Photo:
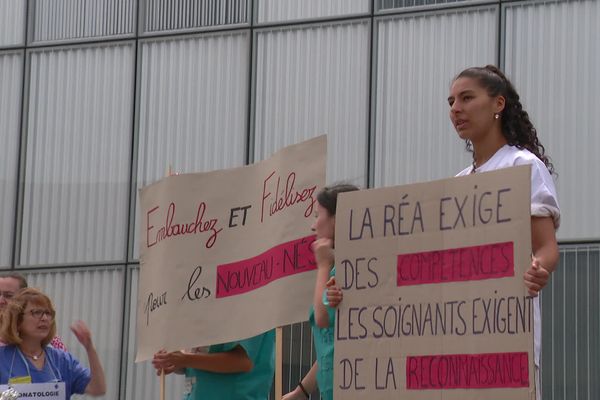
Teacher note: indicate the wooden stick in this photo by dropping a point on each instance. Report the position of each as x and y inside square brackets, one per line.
[162, 384]
[162, 371]
[278, 363]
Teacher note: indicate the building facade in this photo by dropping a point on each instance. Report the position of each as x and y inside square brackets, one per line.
[99, 97]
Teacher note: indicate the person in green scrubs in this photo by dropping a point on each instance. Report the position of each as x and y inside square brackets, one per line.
[325, 298]
[237, 370]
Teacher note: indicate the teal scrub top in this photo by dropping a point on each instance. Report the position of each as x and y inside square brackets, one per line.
[323, 339]
[253, 385]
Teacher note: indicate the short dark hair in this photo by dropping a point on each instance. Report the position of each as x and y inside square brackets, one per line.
[327, 197]
[16, 276]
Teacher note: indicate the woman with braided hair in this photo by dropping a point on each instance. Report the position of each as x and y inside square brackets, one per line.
[486, 112]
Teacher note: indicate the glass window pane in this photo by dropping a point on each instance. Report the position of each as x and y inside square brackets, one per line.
[12, 22]
[289, 10]
[95, 296]
[193, 105]
[553, 57]
[417, 57]
[11, 71]
[57, 20]
[172, 15]
[392, 4]
[312, 80]
[78, 155]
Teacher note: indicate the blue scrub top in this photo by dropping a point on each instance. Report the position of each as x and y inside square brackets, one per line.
[59, 366]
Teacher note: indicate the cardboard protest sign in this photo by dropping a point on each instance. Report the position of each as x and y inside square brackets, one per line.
[226, 255]
[434, 301]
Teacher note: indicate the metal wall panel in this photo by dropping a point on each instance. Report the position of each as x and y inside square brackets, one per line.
[78, 155]
[79, 19]
[287, 10]
[169, 15]
[391, 4]
[95, 296]
[417, 57]
[553, 57]
[12, 22]
[11, 73]
[571, 327]
[312, 80]
[142, 382]
[298, 355]
[193, 105]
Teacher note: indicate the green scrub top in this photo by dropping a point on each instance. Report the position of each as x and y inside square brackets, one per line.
[323, 339]
[253, 385]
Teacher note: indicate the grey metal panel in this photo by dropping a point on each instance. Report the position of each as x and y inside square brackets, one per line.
[552, 55]
[142, 382]
[171, 15]
[59, 20]
[11, 73]
[193, 105]
[12, 22]
[312, 80]
[287, 10]
[392, 4]
[417, 57]
[78, 155]
[298, 355]
[94, 295]
[571, 327]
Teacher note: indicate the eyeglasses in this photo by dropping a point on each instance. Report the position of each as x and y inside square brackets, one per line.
[7, 295]
[38, 314]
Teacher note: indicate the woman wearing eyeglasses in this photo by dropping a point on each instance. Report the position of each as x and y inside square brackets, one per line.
[27, 327]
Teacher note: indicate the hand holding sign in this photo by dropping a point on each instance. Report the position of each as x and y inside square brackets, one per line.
[536, 277]
[333, 293]
[168, 362]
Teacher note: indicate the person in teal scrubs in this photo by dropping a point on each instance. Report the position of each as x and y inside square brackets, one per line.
[325, 298]
[235, 370]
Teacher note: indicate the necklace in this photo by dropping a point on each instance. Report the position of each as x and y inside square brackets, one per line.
[34, 357]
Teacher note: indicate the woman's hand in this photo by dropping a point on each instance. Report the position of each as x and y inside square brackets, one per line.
[160, 365]
[536, 277]
[323, 250]
[334, 293]
[168, 362]
[83, 334]
[97, 384]
[295, 394]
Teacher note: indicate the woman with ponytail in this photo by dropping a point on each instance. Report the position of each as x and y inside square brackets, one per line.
[487, 114]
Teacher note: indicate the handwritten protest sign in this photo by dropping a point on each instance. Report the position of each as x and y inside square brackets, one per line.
[226, 255]
[434, 300]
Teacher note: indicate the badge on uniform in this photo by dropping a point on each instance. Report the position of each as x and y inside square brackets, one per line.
[40, 391]
[19, 380]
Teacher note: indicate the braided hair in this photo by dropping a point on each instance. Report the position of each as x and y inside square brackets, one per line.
[517, 129]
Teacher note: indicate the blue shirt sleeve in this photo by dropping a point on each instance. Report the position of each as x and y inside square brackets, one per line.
[74, 374]
[81, 376]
